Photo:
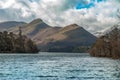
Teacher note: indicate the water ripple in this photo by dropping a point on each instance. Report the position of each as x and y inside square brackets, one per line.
[37, 67]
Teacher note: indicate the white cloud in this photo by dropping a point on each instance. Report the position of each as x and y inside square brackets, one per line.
[61, 12]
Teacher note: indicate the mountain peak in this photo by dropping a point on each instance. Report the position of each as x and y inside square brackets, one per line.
[70, 27]
[108, 30]
[73, 25]
[36, 21]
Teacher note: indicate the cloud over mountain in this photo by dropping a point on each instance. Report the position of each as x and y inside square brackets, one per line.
[93, 15]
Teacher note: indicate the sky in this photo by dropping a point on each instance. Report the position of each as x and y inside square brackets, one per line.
[93, 15]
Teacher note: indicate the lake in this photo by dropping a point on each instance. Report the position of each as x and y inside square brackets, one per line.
[57, 66]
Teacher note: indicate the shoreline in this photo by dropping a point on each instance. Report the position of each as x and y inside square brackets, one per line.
[49, 54]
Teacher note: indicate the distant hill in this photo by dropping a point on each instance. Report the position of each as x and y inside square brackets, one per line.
[107, 31]
[71, 38]
[9, 24]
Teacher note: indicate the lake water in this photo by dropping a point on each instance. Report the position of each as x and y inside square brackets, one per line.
[58, 66]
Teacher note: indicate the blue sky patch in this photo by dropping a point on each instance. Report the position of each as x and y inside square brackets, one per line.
[81, 6]
[87, 5]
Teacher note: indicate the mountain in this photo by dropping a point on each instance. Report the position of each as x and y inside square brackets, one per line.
[71, 38]
[98, 34]
[107, 31]
[67, 39]
[108, 45]
[31, 28]
[36, 29]
[9, 24]
[44, 33]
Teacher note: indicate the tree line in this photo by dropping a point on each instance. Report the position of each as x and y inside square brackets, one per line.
[12, 43]
[107, 45]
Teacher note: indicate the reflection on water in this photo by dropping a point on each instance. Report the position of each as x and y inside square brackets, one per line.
[58, 67]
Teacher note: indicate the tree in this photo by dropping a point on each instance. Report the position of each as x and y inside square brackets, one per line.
[108, 45]
[11, 43]
[31, 46]
[20, 41]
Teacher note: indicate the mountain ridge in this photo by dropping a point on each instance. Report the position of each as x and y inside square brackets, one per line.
[68, 38]
[64, 39]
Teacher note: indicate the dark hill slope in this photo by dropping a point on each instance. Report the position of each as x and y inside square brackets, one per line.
[67, 39]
